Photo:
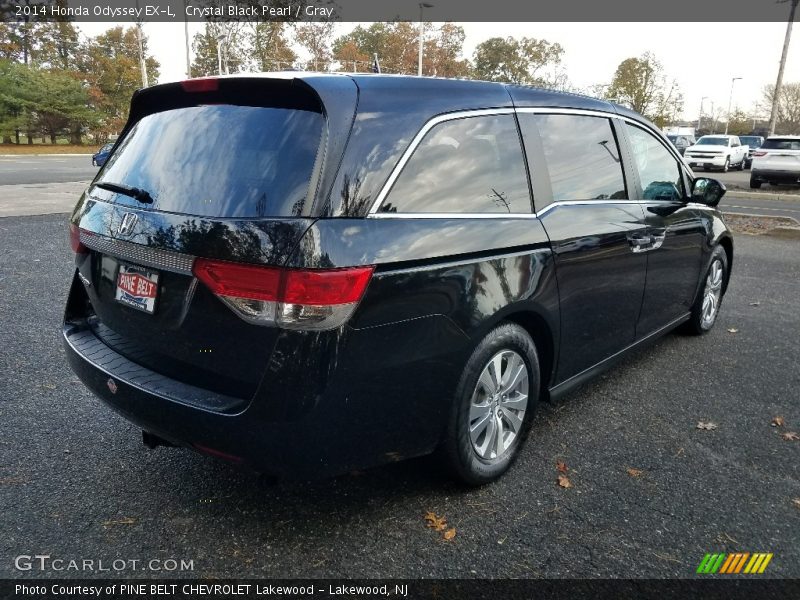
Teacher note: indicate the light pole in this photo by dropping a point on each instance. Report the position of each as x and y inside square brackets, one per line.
[422, 6]
[700, 118]
[220, 37]
[730, 100]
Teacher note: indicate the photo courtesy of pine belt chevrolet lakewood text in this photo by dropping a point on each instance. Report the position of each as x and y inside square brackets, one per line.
[308, 273]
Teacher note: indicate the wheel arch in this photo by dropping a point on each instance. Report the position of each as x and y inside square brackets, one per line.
[537, 327]
[727, 244]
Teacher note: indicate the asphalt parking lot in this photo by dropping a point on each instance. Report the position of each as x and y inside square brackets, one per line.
[651, 493]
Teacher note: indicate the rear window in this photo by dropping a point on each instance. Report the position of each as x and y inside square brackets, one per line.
[220, 160]
[753, 142]
[712, 141]
[781, 144]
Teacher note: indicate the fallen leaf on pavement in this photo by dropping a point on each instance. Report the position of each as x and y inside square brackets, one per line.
[449, 534]
[564, 482]
[634, 472]
[708, 426]
[777, 422]
[796, 502]
[562, 466]
[733, 330]
[123, 521]
[790, 436]
[755, 303]
[435, 522]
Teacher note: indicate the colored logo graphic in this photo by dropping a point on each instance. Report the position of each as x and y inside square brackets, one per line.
[737, 562]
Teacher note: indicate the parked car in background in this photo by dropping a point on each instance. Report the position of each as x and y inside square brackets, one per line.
[264, 275]
[100, 157]
[681, 142]
[753, 142]
[776, 161]
[717, 152]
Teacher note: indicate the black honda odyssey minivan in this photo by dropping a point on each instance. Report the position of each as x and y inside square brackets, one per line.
[310, 273]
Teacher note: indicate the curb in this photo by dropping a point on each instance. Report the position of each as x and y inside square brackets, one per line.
[738, 214]
[734, 192]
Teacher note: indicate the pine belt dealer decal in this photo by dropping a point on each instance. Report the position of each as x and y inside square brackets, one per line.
[735, 563]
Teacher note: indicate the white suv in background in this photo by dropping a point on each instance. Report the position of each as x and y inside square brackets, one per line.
[717, 152]
[777, 161]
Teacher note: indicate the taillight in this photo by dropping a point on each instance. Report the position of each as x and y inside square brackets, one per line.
[203, 84]
[75, 240]
[759, 153]
[314, 299]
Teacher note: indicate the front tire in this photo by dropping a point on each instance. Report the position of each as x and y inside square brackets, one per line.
[495, 401]
[706, 307]
[754, 183]
[727, 164]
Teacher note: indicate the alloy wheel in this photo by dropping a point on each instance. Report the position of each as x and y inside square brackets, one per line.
[712, 294]
[498, 405]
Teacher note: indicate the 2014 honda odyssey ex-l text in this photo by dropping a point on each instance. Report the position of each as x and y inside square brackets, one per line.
[310, 273]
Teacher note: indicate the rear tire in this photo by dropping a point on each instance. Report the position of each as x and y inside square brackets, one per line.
[740, 166]
[495, 401]
[706, 307]
[754, 184]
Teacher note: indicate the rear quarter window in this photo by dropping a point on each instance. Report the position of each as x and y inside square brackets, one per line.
[466, 165]
[220, 160]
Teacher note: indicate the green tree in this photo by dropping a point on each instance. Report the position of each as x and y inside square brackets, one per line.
[316, 38]
[58, 45]
[271, 50]
[522, 61]
[233, 48]
[109, 65]
[640, 84]
[61, 104]
[396, 44]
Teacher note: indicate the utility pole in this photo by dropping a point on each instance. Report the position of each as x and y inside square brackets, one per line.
[186, 40]
[422, 6]
[141, 49]
[776, 94]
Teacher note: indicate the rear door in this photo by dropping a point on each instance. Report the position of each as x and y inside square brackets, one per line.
[596, 232]
[677, 229]
[223, 172]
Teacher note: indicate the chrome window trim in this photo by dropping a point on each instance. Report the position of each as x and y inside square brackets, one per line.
[431, 215]
[398, 168]
[430, 124]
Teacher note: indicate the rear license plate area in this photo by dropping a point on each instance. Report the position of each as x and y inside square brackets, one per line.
[137, 287]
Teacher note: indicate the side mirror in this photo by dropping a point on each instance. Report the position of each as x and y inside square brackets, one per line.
[707, 191]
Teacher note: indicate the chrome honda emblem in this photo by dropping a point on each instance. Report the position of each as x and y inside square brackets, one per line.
[112, 385]
[128, 223]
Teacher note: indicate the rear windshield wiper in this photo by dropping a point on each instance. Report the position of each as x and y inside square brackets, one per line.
[142, 196]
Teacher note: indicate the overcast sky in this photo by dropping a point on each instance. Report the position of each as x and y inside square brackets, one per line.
[702, 57]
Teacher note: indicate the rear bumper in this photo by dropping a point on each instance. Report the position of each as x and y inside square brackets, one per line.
[774, 175]
[294, 428]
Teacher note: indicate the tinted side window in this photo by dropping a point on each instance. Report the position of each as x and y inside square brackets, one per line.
[659, 172]
[469, 165]
[581, 154]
